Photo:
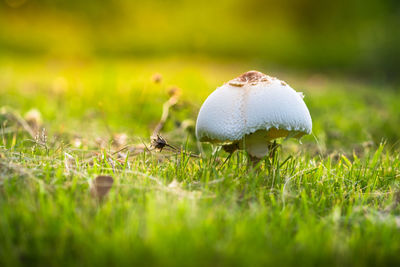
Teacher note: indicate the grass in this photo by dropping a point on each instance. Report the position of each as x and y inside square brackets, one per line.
[331, 201]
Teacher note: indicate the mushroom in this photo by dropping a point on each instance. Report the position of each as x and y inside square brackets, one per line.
[250, 111]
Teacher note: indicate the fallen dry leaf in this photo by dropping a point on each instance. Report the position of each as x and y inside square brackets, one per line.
[101, 185]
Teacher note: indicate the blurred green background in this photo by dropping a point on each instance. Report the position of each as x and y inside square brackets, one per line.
[82, 74]
[87, 65]
[352, 36]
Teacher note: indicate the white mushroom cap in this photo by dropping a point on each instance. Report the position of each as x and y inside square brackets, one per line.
[253, 102]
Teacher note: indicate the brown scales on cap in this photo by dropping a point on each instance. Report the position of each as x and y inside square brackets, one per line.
[251, 77]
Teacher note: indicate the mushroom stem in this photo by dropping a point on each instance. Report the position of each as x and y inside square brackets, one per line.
[256, 144]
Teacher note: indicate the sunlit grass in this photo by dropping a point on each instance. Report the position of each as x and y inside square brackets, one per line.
[332, 200]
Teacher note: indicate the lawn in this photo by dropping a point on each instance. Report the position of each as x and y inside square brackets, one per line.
[331, 200]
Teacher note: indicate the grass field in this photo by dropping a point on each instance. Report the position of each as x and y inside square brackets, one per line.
[332, 200]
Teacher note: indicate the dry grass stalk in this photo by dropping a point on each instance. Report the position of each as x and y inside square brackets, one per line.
[164, 116]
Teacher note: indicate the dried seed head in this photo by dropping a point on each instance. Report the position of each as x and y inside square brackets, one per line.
[156, 78]
[44, 136]
[174, 91]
